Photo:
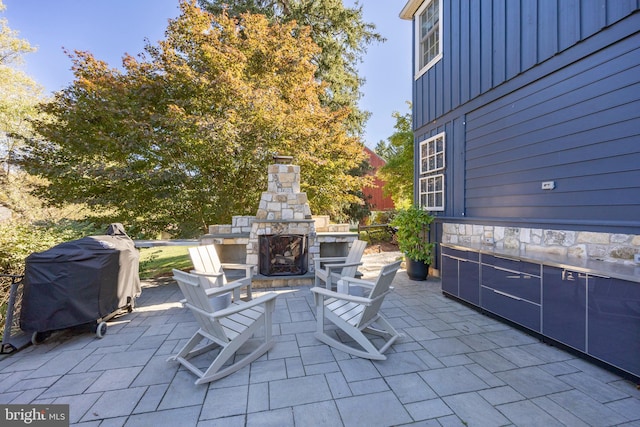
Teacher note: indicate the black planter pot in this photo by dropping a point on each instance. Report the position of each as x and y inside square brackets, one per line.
[417, 270]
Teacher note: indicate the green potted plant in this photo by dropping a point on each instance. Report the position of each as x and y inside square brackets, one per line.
[413, 240]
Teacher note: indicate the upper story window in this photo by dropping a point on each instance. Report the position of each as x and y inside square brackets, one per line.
[432, 154]
[428, 35]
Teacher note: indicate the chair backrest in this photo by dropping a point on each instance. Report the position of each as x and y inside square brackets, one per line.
[205, 259]
[355, 255]
[193, 290]
[383, 282]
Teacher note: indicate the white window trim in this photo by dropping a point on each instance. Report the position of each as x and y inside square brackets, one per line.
[426, 193]
[444, 152]
[438, 57]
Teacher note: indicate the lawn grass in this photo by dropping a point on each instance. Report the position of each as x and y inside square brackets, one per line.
[160, 260]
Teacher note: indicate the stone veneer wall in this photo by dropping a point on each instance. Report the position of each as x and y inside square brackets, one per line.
[578, 244]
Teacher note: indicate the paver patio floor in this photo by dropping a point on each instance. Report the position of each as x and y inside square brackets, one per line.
[453, 367]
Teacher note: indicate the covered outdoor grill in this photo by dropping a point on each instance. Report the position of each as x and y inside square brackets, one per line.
[82, 282]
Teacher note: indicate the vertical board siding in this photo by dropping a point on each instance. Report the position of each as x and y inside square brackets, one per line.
[465, 46]
[486, 50]
[499, 42]
[547, 29]
[473, 53]
[579, 127]
[513, 36]
[568, 23]
[487, 42]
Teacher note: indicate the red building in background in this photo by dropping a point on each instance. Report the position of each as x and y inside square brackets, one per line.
[374, 194]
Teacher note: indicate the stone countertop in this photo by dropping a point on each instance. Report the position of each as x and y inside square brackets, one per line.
[629, 272]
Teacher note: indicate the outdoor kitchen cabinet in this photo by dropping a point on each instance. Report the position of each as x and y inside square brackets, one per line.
[564, 306]
[512, 289]
[595, 314]
[461, 274]
[613, 322]
[587, 305]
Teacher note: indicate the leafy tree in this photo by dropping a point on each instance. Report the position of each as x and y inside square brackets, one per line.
[357, 211]
[339, 31]
[398, 153]
[19, 97]
[182, 136]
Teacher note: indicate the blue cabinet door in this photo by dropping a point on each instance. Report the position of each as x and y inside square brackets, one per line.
[469, 281]
[564, 312]
[614, 322]
[449, 275]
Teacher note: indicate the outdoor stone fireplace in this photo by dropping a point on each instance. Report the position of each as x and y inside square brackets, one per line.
[283, 255]
[283, 238]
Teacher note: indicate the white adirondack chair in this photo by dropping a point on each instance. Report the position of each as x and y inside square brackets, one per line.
[227, 329]
[206, 263]
[357, 316]
[330, 269]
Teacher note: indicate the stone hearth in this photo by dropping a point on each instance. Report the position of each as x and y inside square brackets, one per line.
[283, 210]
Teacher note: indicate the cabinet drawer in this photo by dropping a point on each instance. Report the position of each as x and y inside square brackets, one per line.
[457, 253]
[516, 310]
[512, 264]
[521, 285]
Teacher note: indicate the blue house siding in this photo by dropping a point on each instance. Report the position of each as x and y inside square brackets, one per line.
[486, 43]
[573, 117]
[579, 127]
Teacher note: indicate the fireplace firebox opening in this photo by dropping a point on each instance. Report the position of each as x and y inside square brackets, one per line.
[283, 255]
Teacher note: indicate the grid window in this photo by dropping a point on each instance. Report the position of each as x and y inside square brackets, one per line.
[429, 49]
[432, 192]
[432, 154]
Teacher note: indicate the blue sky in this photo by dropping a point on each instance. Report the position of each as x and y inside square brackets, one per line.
[108, 29]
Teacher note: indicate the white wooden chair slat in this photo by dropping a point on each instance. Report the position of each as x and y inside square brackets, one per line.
[330, 269]
[228, 329]
[357, 316]
[206, 262]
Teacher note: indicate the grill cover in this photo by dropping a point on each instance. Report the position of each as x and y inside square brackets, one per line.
[80, 281]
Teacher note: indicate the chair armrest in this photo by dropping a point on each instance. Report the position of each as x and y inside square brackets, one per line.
[331, 259]
[347, 264]
[360, 282]
[237, 308]
[202, 273]
[236, 284]
[234, 266]
[324, 260]
[337, 295]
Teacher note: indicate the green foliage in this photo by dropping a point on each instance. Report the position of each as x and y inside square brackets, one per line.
[18, 239]
[413, 231]
[182, 137]
[398, 153]
[359, 209]
[339, 31]
[19, 96]
[382, 217]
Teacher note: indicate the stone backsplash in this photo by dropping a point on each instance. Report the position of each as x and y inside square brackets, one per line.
[579, 244]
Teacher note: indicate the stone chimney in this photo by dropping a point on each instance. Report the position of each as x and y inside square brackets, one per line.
[283, 199]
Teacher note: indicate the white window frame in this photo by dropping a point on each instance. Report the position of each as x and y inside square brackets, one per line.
[431, 190]
[431, 195]
[422, 68]
[433, 154]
